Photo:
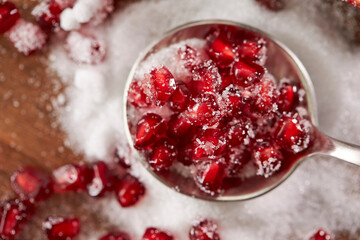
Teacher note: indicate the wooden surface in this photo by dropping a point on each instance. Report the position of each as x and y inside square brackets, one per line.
[30, 135]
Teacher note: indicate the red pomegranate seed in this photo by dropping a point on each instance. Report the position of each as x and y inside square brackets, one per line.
[188, 56]
[129, 191]
[185, 154]
[209, 143]
[148, 129]
[209, 176]
[178, 126]
[226, 78]
[156, 234]
[273, 5]
[9, 15]
[292, 134]
[204, 230]
[13, 215]
[268, 159]
[164, 83]
[287, 98]
[321, 235]
[236, 158]
[59, 228]
[101, 180]
[163, 155]
[205, 78]
[71, 177]
[180, 98]
[252, 49]
[240, 133]
[221, 52]
[204, 110]
[118, 235]
[137, 96]
[232, 100]
[266, 97]
[31, 184]
[247, 73]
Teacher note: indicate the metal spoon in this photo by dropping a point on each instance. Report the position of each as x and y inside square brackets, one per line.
[281, 62]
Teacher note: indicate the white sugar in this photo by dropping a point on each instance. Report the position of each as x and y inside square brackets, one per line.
[323, 192]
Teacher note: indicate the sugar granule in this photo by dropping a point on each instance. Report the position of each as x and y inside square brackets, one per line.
[323, 192]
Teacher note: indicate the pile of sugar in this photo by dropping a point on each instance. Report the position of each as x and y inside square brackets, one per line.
[323, 192]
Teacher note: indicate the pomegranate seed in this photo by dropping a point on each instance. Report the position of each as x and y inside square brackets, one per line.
[180, 98]
[31, 184]
[116, 236]
[293, 134]
[236, 158]
[156, 234]
[273, 5]
[209, 176]
[137, 96]
[71, 177]
[266, 97]
[321, 235]
[27, 37]
[178, 126]
[221, 52]
[13, 215]
[252, 50]
[163, 155]
[208, 143]
[240, 133]
[101, 180]
[205, 78]
[129, 191]
[247, 73]
[59, 228]
[185, 154]
[9, 15]
[268, 159]
[204, 110]
[232, 100]
[287, 98]
[83, 48]
[226, 78]
[164, 83]
[188, 56]
[148, 129]
[204, 230]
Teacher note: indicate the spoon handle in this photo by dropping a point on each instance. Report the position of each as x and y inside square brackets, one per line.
[342, 150]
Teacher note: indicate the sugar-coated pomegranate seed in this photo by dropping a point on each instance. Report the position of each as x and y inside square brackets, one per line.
[71, 177]
[84, 48]
[204, 230]
[209, 143]
[287, 97]
[221, 52]
[268, 159]
[137, 96]
[164, 84]
[266, 96]
[101, 180]
[226, 78]
[9, 15]
[204, 110]
[13, 215]
[247, 73]
[240, 133]
[273, 5]
[59, 228]
[31, 184]
[129, 191]
[209, 176]
[236, 158]
[163, 155]
[205, 78]
[179, 100]
[293, 134]
[321, 235]
[232, 100]
[185, 154]
[148, 129]
[178, 126]
[117, 235]
[156, 234]
[252, 50]
[27, 37]
[188, 56]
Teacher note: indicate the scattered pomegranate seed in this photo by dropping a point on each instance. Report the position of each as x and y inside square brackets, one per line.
[27, 37]
[205, 78]
[148, 129]
[287, 98]
[156, 234]
[273, 5]
[71, 177]
[116, 236]
[209, 143]
[204, 230]
[189, 56]
[101, 180]
[221, 52]
[209, 176]
[180, 98]
[321, 235]
[268, 159]
[13, 215]
[129, 191]
[9, 15]
[84, 48]
[163, 155]
[164, 83]
[31, 184]
[59, 228]
[137, 96]
[247, 73]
